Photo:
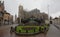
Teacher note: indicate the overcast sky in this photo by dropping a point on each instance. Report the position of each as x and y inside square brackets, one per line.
[54, 6]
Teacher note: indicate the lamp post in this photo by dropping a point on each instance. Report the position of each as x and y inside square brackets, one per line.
[48, 14]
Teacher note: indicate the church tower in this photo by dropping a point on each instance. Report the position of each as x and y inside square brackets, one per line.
[20, 13]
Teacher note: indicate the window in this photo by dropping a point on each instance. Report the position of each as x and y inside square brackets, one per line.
[0, 14]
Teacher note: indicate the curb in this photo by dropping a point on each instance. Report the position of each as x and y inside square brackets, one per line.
[28, 34]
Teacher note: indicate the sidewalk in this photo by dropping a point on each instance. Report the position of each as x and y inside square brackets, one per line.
[57, 26]
[4, 27]
[7, 26]
[53, 31]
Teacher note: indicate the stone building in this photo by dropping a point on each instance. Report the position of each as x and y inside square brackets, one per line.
[2, 6]
[1, 17]
[11, 19]
[6, 18]
[15, 19]
[23, 14]
[4, 15]
[56, 20]
[1, 12]
[20, 13]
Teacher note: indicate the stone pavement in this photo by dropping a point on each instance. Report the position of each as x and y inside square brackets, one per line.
[57, 26]
[53, 31]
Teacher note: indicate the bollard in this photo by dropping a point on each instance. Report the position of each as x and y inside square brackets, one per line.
[19, 31]
[39, 29]
[34, 30]
[15, 28]
[26, 31]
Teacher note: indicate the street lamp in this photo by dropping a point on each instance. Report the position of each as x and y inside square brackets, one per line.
[48, 14]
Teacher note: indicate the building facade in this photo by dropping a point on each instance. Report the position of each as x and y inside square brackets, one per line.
[23, 14]
[1, 12]
[4, 15]
[6, 18]
[56, 21]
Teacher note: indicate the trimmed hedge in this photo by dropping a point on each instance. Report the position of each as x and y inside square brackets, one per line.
[31, 29]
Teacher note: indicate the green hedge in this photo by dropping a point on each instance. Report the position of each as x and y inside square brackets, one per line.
[34, 29]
